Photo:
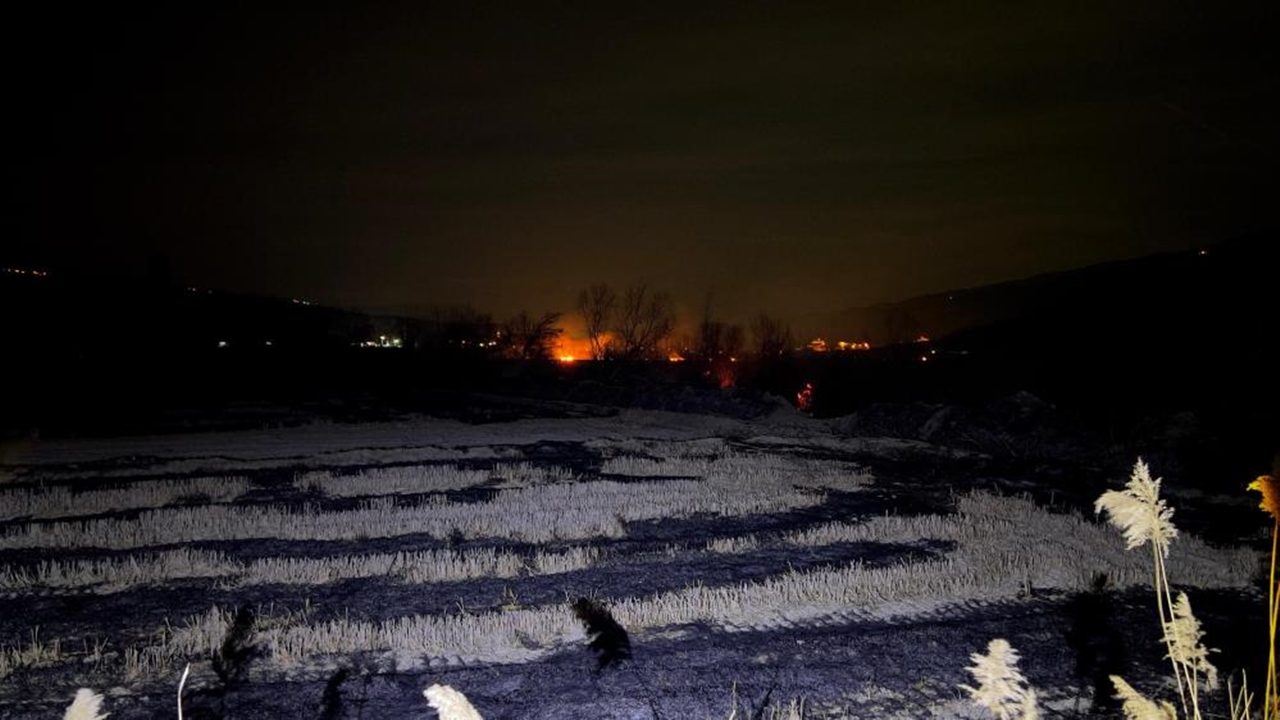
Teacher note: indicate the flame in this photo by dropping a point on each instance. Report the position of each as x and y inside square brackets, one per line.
[820, 345]
[571, 349]
[804, 398]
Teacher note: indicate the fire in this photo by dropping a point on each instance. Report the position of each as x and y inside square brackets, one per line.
[570, 349]
[819, 345]
[804, 398]
[846, 346]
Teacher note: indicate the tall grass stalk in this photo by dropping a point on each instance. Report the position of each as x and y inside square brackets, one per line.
[182, 683]
[1270, 489]
[1144, 518]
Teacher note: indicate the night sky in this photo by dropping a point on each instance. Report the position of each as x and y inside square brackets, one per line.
[794, 158]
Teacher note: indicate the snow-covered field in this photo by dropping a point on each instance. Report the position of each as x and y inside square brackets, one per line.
[336, 571]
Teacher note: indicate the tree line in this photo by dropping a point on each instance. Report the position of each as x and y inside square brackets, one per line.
[639, 322]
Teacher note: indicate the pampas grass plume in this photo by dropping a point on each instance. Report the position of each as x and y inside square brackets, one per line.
[86, 706]
[1139, 512]
[1270, 489]
[1183, 635]
[450, 704]
[1137, 706]
[1002, 689]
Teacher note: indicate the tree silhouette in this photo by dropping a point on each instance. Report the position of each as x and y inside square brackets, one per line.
[645, 318]
[772, 337]
[527, 338]
[595, 305]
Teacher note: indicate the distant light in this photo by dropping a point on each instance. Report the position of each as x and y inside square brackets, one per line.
[1203, 252]
[675, 357]
[222, 343]
[845, 346]
[566, 359]
[268, 343]
[924, 358]
[922, 339]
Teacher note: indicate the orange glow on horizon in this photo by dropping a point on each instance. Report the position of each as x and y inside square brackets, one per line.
[571, 349]
[820, 345]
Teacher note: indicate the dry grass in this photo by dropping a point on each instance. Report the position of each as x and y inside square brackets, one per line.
[1058, 550]
[35, 653]
[61, 502]
[119, 574]
[745, 468]
[417, 479]
[543, 513]
[524, 474]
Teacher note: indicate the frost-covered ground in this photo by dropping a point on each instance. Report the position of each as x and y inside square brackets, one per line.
[334, 571]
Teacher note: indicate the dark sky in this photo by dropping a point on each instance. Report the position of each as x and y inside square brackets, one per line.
[792, 158]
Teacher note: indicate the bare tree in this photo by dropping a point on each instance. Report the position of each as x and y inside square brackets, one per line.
[733, 341]
[645, 318]
[710, 335]
[716, 339]
[596, 304]
[772, 337]
[458, 328]
[528, 338]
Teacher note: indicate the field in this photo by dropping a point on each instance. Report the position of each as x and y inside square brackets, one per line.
[335, 571]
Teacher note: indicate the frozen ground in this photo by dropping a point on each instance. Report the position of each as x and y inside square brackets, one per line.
[784, 557]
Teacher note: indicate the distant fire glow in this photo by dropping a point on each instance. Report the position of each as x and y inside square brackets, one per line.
[570, 349]
[820, 345]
